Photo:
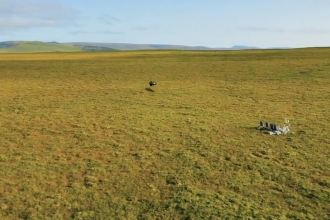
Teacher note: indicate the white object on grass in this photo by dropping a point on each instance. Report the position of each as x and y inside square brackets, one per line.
[275, 129]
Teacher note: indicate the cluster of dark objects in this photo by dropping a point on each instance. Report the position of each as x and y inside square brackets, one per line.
[267, 126]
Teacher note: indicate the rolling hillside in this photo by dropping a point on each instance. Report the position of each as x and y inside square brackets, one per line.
[38, 46]
[126, 46]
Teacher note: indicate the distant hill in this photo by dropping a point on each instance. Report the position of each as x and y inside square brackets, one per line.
[110, 46]
[5, 45]
[96, 48]
[38, 46]
[126, 46]
[241, 47]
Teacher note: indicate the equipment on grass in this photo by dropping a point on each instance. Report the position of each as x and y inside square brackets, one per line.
[274, 128]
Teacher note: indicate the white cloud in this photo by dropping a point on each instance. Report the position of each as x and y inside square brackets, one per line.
[306, 30]
[96, 32]
[33, 14]
[262, 29]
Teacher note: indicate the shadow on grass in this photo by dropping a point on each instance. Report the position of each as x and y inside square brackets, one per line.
[150, 89]
[252, 128]
[255, 128]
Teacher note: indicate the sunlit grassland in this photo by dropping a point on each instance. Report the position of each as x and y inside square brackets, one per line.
[83, 137]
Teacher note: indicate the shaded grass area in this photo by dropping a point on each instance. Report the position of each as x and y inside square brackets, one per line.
[84, 137]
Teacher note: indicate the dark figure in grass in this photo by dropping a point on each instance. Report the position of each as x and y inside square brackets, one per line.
[152, 83]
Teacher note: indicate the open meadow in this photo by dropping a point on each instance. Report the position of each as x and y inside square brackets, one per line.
[82, 135]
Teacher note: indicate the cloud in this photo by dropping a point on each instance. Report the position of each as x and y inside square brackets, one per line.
[80, 32]
[16, 23]
[262, 29]
[96, 32]
[152, 27]
[313, 31]
[110, 32]
[34, 14]
[307, 30]
[108, 19]
[140, 28]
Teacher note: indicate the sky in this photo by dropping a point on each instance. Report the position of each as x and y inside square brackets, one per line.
[211, 23]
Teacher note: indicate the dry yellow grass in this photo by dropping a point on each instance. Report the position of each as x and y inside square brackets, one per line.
[83, 137]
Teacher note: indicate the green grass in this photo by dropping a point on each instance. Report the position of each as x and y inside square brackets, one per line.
[83, 137]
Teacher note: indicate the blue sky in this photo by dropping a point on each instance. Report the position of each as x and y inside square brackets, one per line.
[212, 23]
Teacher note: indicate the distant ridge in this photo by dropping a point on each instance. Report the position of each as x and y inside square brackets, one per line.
[35, 46]
[39, 46]
[128, 46]
[241, 47]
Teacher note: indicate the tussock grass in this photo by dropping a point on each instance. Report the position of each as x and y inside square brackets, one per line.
[82, 136]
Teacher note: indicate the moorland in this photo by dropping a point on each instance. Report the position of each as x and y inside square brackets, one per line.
[83, 136]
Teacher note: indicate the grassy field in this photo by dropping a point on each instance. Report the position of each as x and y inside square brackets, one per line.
[83, 137]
